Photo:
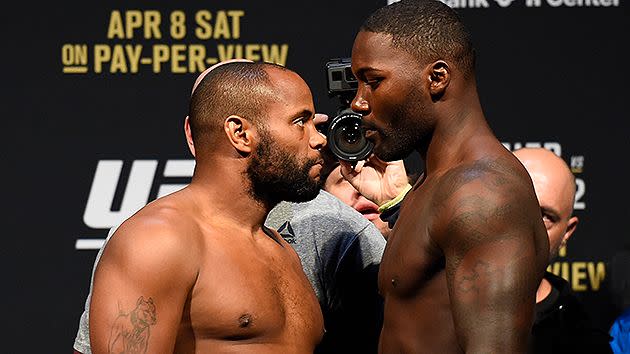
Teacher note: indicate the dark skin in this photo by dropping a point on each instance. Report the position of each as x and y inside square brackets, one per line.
[196, 271]
[461, 267]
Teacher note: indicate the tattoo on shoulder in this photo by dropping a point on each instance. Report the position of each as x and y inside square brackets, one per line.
[131, 331]
[482, 221]
[492, 174]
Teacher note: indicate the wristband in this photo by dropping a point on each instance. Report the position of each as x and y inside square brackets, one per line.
[396, 200]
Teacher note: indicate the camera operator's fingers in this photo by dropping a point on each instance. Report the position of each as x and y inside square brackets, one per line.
[364, 178]
[320, 118]
[357, 166]
[396, 177]
[351, 169]
[391, 176]
[379, 164]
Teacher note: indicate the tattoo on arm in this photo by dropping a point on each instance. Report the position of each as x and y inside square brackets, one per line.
[470, 282]
[131, 331]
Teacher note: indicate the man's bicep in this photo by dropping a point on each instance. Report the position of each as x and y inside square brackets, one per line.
[137, 298]
[492, 268]
[492, 292]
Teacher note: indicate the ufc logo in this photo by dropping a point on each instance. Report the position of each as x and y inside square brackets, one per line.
[98, 211]
[552, 146]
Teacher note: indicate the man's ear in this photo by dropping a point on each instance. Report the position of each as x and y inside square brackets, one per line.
[571, 225]
[189, 138]
[239, 132]
[439, 79]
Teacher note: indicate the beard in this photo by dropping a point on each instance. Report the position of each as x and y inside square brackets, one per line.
[405, 130]
[276, 175]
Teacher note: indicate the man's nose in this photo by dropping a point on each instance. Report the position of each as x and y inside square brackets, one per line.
[317, 140]
[360, 104]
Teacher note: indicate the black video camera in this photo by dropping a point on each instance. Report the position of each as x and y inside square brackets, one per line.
[346, 138]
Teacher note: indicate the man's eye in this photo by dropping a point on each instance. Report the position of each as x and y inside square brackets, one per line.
[373, 82]
[547, 220]
[299, 122]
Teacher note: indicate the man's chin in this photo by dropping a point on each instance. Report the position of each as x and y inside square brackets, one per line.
[304, 196]
[389, 153]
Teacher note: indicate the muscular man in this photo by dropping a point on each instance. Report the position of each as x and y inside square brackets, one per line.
[462, 264]
[339, 252]
[196, 271]
[561, 324]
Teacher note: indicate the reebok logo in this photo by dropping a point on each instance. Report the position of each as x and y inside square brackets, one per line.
[287, 233]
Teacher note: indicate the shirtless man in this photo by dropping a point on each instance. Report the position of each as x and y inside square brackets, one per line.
[461, 267]
[196, 271]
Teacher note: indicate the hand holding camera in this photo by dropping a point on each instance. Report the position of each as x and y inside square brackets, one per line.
[375, 179]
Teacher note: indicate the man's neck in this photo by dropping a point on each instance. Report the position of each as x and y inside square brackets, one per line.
[223, 192]
[460, 131]
[544, 289]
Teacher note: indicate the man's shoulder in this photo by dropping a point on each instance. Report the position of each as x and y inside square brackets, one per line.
[492, 180]
[162, 228]
[489, 196]
[163, 217]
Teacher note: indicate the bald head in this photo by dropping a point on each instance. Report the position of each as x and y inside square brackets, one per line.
[554, 184]
[550, 171]
[237, 87]
[205, 72]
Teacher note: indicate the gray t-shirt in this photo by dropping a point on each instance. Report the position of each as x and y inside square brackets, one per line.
[340, 252]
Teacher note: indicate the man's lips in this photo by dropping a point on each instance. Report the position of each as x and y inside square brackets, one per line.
[317, 167]
[368, 209]
[370, 134]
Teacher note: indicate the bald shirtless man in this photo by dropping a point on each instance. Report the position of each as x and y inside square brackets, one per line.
[462, 264]
[561, 325]
[196, 271]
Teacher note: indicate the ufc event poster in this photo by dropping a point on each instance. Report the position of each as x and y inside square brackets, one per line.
[94, 95]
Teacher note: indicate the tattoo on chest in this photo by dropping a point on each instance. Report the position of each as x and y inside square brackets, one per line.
[131, 331]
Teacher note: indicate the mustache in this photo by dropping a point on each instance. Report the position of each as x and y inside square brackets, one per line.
[365, 125]
[312, 162]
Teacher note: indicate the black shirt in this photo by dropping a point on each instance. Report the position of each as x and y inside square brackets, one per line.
[563, 326]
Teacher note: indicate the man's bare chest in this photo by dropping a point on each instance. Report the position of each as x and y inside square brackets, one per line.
[411, 258]
[245, 294]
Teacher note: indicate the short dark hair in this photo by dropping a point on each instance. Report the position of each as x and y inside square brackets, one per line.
[427, 29]
[238, 88]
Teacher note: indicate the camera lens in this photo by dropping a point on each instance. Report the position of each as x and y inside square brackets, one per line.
[346, 139]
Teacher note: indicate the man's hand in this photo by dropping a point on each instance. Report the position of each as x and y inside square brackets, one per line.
[375, 179]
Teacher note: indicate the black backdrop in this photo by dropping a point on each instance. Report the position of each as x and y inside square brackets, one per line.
[551, 73]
